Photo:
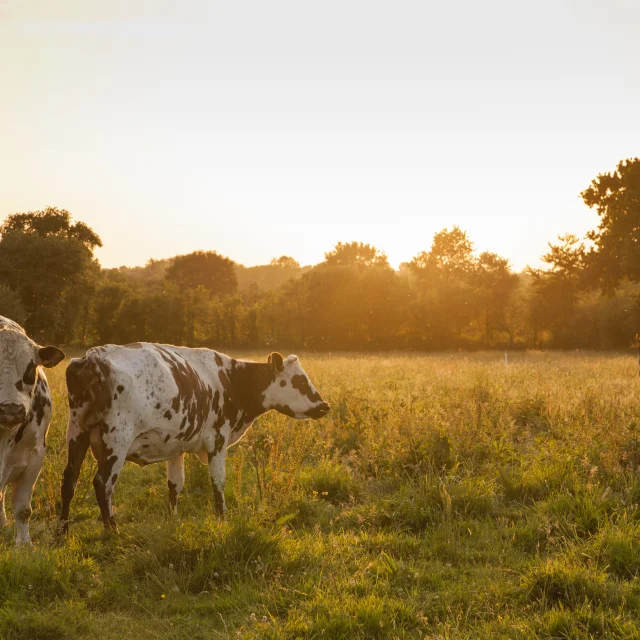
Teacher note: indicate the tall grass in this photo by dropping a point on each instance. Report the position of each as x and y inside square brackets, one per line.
[444, 497]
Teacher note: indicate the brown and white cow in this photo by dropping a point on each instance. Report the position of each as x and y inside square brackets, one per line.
[25, 413]
[150, 403]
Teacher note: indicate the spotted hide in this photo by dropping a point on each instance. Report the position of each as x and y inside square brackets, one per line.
[25, 413]
[153, 403]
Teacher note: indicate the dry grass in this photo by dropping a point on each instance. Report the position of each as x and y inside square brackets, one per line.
[444, 496]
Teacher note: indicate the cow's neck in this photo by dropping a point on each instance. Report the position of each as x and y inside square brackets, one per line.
[249, 381]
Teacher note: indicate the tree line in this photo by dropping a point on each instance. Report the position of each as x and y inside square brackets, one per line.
[448, 296]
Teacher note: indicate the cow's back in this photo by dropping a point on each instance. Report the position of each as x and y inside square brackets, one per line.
[6, 323]
[141, 374]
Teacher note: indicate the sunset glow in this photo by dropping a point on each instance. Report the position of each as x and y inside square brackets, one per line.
[261, 129]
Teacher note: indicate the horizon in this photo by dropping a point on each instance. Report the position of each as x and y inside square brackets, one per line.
[244, 128]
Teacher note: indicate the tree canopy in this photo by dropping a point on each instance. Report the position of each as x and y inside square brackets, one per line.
[616, 198]
[355, 254]
[206, 269]
[449, 296]
[48, 261]
[51, 222]
[285, 262]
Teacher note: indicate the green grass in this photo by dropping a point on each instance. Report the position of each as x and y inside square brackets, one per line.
[444, 497]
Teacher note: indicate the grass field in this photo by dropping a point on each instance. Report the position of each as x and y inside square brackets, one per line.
[443, 497]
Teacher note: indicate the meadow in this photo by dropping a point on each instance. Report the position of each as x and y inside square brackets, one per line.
[445, 496]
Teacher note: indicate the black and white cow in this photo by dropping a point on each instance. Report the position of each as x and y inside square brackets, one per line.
[153, 403]
[25, 413]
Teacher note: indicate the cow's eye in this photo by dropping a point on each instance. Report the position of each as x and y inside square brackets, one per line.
[29, 376]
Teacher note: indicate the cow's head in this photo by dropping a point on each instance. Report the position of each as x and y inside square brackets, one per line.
[291, 391]
[19, 359]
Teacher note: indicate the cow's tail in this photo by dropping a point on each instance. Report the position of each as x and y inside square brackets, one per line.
[89, 391]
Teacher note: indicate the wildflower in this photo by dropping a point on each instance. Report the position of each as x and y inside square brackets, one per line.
[252, 616]
[163, 596]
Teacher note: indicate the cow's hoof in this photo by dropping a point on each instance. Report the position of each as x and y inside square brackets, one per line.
[110, 527]
[24, 544]
[61, 532]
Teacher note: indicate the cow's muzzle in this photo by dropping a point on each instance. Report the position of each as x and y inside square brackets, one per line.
[12, 414]
[319, 411]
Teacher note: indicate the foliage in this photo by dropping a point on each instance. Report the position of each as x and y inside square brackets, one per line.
[51, 222]
[350, 254]
[285, 262]
[616, 198]
[48, 261]
[447, 297]
[206, 269]
[10, 304]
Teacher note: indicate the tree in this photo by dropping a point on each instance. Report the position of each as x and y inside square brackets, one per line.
[555, 291]
[616, 197]
[208, 269]
[10, 304]
[494, 286]
[51, 222]
[107, 303]
[285, 262]
[451, 255]
[49, 262]
[443, 307]
[355, 254]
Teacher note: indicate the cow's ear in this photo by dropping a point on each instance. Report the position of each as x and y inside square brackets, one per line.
[276, 362]
[49, 356]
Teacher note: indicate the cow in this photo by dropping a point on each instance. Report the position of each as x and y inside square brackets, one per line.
[25, 413]
[149, 403]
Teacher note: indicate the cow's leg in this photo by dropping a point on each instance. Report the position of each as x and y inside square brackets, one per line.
[110, 451]
[3, 514]
[175, 480]
[76, 450]
[217, 460]
[109, 466]
[22, 491]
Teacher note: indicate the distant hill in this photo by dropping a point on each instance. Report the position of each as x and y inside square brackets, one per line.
[266, 276]
[150, 277]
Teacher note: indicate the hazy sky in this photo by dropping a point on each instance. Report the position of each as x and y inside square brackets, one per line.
[266, 128]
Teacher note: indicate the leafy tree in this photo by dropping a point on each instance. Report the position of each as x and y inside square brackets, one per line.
[10, 304]
[494, 285]
[355, 254]
[285, 262]
[150, 277]
[556, 290]
[108, 301]
[51, 222]
[616, 197]
[49, 262]
[443, 307]
[165, 317]
[451, 255]
[208, 269]
[266, 276]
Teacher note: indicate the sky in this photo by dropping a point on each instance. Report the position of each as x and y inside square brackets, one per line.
[259, 129]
